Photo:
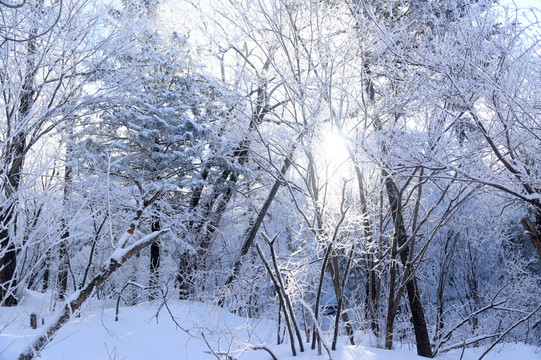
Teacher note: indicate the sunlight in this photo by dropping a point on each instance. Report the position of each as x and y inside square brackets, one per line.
[334, 149]
[335, 165]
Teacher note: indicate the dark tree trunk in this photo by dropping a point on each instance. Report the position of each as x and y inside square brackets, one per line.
[424, 347]
[186, 275]
[8, 263]
[14, 159]
[154, 261]
[64, 237]
[533, 231]
[395, 294]
[372, 295]
[445, 261]
[45, 280]
[417, 311]
[204, 226]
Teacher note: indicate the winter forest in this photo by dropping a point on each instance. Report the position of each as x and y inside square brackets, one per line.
[358, 175]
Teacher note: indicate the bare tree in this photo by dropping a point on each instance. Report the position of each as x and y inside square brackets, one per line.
[47, 59]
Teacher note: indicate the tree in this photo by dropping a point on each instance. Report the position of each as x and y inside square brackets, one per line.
[432, 105]
[44, 71]
[452, 149]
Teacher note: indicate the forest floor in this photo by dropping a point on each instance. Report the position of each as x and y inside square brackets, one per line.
[184, 330]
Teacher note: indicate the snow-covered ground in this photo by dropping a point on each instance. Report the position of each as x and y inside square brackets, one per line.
[149, 331]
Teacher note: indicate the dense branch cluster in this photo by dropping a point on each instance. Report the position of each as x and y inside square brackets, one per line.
[166, 143]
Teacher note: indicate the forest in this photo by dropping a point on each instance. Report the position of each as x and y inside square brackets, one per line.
[335, 166]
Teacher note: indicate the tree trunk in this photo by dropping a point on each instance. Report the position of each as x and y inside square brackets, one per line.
[532, 231]
[414, 297]
[13, 161]
[62, 277]
[251, 231]
[424, 347]
[8, 262]
[334, 270]
[393, 299]
[154, 279]
[186, 273]
[8, 216]
[372, 295]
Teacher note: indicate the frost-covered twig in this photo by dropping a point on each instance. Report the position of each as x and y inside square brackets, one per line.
[130, 283]
[76, 300]
[215, 353]
[509, 330]
[280, 297]
[164, 296]
[319, 330]
[260, 347]
[445, 338]
[467, 342]
[282, 286]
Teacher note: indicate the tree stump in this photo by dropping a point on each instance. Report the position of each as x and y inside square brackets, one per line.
[33, 321]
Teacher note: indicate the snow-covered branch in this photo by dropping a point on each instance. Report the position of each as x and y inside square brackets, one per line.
[76, 300]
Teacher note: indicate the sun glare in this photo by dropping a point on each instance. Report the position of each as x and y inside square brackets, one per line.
[334, 149]
[334, 165]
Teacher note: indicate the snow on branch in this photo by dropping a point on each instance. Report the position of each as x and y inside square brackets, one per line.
[76, 300]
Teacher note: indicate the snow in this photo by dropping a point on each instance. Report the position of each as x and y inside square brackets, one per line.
[120, 252]
[147, 331]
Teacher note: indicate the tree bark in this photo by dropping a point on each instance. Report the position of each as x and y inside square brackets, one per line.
[62, 277]
[14, 157]
[8, 263]
[154, 261]
[417, 310]
[533, 234]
